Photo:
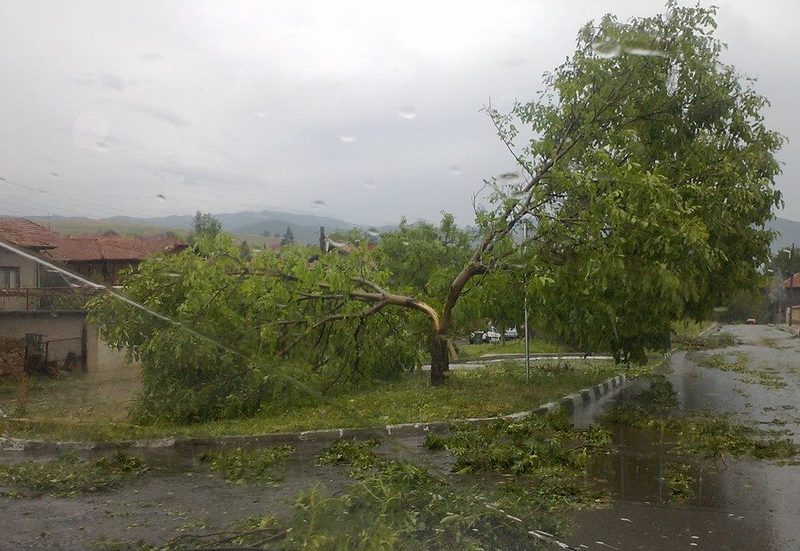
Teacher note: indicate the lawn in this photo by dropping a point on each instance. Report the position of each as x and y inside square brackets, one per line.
[537, 346]
[59, 413]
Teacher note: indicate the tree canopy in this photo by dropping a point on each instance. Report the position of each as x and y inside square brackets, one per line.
[645, 182]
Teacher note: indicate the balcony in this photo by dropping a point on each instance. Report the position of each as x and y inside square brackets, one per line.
[45, 298]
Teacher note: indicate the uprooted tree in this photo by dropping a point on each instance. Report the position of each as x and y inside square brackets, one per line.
[645, 181]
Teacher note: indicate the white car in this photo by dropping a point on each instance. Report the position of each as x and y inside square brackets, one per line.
[491, 336]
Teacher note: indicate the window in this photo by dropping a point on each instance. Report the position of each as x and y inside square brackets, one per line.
[9, 277]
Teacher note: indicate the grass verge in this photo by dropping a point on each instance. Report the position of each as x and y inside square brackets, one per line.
[517, 346]
[240, 466]
[493, 390]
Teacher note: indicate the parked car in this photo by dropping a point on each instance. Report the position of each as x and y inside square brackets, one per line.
[476, 337]
[491, 336]
[511, 334]
[751, 321]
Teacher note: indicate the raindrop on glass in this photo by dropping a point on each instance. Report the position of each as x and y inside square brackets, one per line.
[607, 50]
[54, 175]
[89, 130]
[509, 176]
[647, 52]
[261, 115]
[369, 184]
[346, 138]
[455, 171]
[408, 112]
[161, 197]
[317, 204]
[101, 147]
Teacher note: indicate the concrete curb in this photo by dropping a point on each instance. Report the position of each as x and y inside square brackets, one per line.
[569, 403]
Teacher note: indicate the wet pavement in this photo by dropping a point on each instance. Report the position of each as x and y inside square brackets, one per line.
[736, 504]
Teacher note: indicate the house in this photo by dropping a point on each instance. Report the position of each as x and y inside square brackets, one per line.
[17, 272]
[101, 259]
[44, 308]
[791, 299]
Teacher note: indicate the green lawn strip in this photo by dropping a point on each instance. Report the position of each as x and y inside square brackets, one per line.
[493, 390]
[701, 433]
[69, 475]
[740, 365]
[517, 346]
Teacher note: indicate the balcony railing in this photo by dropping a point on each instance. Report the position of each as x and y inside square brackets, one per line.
[45, 298]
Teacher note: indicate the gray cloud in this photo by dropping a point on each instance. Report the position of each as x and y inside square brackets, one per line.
[226, 107]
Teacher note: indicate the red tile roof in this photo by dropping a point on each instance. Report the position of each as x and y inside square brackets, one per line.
[85, 249]
[792, 282]
[24, 233]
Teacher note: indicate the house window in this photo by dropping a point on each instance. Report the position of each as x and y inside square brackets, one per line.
[9, 277]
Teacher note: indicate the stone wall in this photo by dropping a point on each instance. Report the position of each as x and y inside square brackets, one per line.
[12, 356]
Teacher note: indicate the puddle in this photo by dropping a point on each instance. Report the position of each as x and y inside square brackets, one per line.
[734, 504]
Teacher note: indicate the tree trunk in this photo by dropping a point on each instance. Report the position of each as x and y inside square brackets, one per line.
[440, 359]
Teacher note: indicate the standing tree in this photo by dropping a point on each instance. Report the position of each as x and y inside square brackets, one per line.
[206, 225]
[288, 237]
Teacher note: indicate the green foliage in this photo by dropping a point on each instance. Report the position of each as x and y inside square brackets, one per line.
[543, 446]
[68, 475]
[650, 180]
[222, 335]
[205, 225]
[288, 237]
[357, 453]
[740, 365]
[247, 466]
[680, 482]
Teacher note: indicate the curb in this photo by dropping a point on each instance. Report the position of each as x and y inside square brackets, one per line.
[569, 403]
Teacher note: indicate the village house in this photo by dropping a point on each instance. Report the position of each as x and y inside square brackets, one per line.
[43, 310]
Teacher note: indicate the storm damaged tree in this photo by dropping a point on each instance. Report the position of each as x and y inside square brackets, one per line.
[645, 179]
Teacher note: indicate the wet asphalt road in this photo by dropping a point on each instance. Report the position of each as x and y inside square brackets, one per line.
[737, 504]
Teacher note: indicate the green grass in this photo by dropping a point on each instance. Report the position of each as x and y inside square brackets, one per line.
[493, 390]
[537, 346]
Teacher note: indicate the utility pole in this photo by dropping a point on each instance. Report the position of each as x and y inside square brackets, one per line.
[527, 341]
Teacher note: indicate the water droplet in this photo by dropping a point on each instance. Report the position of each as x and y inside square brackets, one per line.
[89, 130]
[54, 174]
[345, 138]
[261, 115]
[408, 112]
[455, 170]
[317, 204]
[161, 197]
[101, 146]
[509, 176]
[369, 184]
[647, 52]
[405, 243]
[607, 50]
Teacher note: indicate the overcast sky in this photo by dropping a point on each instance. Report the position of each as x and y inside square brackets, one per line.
[364, 111]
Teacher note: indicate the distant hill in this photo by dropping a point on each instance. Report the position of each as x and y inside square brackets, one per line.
[243, 225]
[789, 233]
[305, 227]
